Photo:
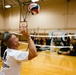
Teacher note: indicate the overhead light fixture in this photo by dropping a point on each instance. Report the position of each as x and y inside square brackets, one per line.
[34, 0]
[7, 6]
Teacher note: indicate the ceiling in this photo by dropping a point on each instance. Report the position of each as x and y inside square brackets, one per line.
[15, 3]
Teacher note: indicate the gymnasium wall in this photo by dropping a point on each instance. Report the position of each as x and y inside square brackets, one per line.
[52, 16]
[1, 19]
[12, 19]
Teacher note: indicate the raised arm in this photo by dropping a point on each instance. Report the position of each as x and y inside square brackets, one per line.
[32, 48]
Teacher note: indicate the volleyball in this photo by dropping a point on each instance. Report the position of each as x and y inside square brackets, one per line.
[34, 8]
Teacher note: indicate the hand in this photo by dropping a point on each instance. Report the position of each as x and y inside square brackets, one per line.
[24, 30]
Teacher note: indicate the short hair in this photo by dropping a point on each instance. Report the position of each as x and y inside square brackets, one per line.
[7, 37]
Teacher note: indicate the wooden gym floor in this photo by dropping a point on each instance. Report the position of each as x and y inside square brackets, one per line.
[47, 63]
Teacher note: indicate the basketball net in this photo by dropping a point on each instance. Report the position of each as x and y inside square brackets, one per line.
[23, 11]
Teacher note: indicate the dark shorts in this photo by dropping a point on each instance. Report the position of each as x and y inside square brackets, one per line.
[73, 53]
[65, 49]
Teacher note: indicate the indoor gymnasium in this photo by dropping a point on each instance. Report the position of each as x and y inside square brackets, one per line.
[37, 37]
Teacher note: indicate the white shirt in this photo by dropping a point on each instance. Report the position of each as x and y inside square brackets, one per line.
[11, 64]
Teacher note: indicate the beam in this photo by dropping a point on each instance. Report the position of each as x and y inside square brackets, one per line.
[3, 1]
